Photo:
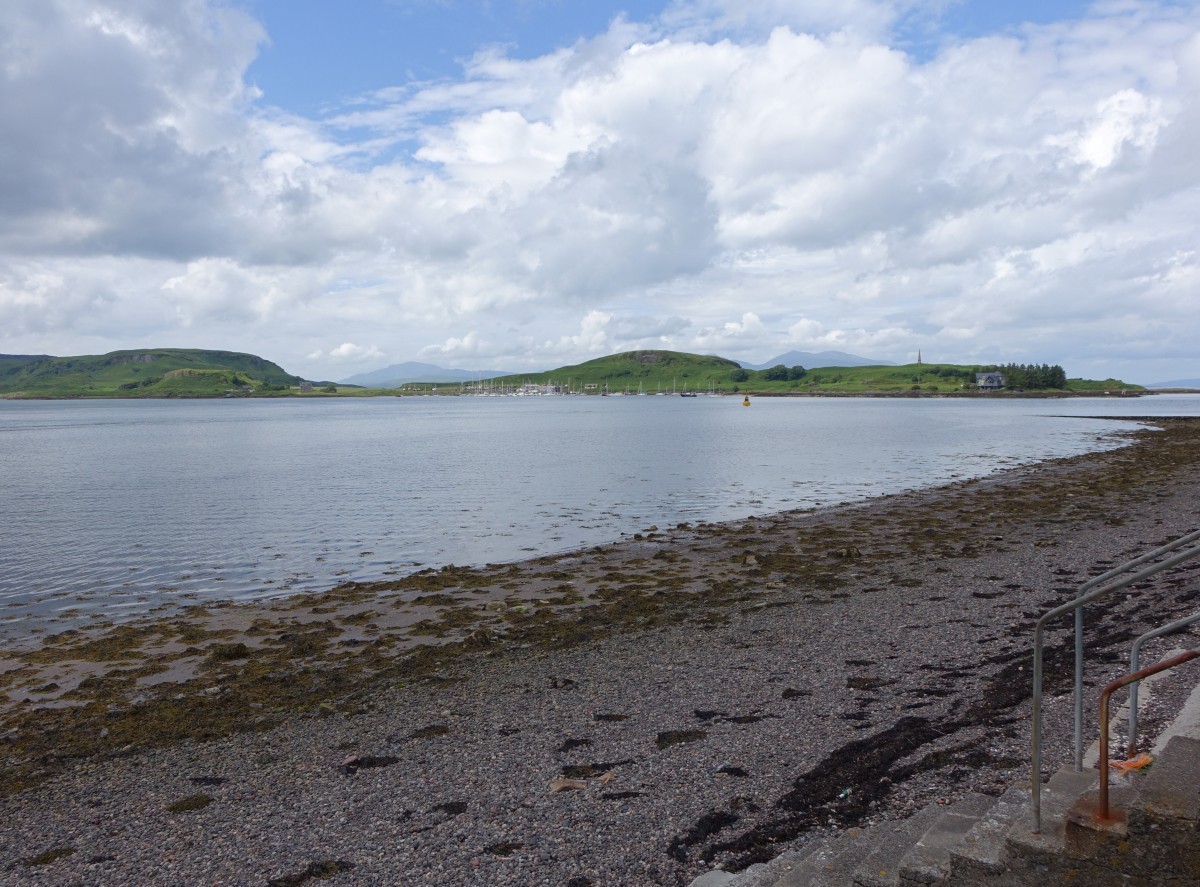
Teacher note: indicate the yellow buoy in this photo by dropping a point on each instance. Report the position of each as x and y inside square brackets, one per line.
[746, 402]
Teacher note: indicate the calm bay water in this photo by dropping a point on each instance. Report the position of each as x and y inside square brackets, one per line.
[117, 507]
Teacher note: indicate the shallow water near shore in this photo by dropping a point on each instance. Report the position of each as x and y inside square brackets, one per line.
[116, 508]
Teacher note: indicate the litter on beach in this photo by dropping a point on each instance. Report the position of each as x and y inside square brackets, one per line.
[1138, 762]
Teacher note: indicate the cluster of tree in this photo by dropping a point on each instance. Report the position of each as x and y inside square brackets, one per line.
[141, 383]
[1033, 376]
[780, 373]
[777, 373]
[967, 374]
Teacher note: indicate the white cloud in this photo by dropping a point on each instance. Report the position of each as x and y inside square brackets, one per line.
[1126, 118]
[348, 351]
[738, 177]
[731, 335]
[591, 340]
[453, 348]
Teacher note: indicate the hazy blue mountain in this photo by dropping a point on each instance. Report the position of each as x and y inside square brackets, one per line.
[404, 373]
[812, 359]
[1178, 383]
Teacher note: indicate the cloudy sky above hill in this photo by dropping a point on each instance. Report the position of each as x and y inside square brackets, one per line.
[529, 183]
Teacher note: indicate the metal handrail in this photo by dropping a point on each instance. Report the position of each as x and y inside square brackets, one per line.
[1083, 589]
[1102, 811]
[1134, 654]
[1088, 592]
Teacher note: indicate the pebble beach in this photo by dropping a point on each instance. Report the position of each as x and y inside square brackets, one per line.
[632, 714]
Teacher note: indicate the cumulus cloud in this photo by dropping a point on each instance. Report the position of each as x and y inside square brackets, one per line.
[122, 123]
[348, 352]
[454, 347]
[738, 177]
[591, 340]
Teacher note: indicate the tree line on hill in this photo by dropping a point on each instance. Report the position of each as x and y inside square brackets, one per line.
[777, 373]
[1019, 375]
[1016, 376]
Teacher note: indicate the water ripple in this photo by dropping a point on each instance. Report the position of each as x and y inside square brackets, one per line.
[116, 508]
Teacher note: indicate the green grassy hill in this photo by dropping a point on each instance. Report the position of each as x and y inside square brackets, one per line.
[674, 371]
[654, 370]
[151, 372]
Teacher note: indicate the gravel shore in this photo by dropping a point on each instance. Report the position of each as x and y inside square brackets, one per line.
[634, 714]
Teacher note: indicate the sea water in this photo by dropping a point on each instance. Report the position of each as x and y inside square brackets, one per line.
[116, 508]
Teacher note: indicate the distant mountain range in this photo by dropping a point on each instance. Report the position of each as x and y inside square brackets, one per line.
[1178, 383]
[810, 360]
[412, 372]
[422, 373]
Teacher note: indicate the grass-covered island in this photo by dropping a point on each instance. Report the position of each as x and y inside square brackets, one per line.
[189, 372]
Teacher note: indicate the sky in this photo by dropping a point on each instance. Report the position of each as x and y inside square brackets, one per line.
[525, 184]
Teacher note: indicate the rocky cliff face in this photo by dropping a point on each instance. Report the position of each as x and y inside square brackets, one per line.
[145, 357]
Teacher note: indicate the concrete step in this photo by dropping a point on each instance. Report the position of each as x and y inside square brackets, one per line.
[983, 851]
[881, 867]
[1168, 789]
[763, 874]
[1058, 796]
[928, 861]
[831, 864]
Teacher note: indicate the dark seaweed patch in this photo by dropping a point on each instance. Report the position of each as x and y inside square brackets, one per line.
[190, 803]
[361, 762]
[55, 853]
[708, 824]
[841, 787]
[322, 870]
[573, 744]
[748, 719]
[433, 730]
[675, 737]
[866, 682]
[207, 780]
[587, 771]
